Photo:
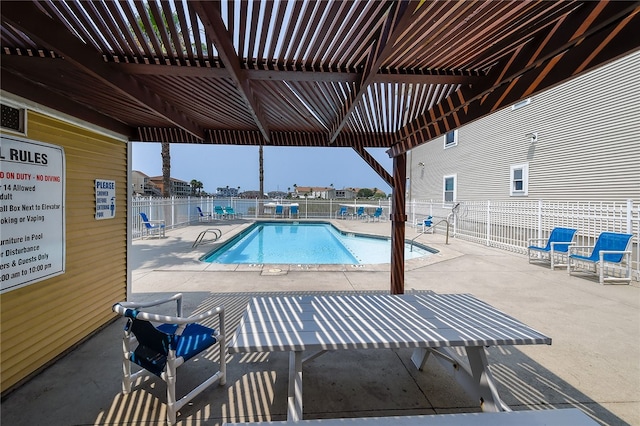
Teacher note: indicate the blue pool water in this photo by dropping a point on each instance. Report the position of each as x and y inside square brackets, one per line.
[305, 243]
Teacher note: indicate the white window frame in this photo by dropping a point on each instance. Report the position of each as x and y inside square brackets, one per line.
[455, 139]
[525, 180]
[444, 188]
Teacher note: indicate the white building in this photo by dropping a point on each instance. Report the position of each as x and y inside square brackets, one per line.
[577, 141]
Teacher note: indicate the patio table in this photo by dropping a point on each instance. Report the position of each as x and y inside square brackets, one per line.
[428, 322]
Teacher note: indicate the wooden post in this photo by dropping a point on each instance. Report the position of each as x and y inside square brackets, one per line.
[398, 221]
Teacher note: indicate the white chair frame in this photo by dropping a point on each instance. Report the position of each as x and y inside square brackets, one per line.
[173, 362]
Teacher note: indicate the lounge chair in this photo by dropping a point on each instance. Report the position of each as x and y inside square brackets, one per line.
[342, 212]
[152, 227]
[376, 215]
[557, 245]
[360, 213]
[204, 216]
[219, 212]
[426, 224]
[162, 348]
[610, 248]
[230, 212]
[278, 211]
[293, 211]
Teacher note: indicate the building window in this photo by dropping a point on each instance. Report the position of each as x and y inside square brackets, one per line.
[520, 104]
[451, 139]
[519, 180]
[449, 188]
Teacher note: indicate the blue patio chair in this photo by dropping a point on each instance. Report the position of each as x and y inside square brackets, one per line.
[204, 216]
[166, 344]
[376, 215]
[152, 227]
[293, 211]
[230, 212]
[219, 212]
[344, 211]
[557, 245]
[426, 224]
[360, 213]
[279, 211]
[610, 248]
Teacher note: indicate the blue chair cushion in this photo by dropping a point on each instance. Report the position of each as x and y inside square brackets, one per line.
[558, 235]
[194, 339]
[607, 241]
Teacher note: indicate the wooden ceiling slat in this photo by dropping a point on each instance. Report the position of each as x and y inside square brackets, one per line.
[317, 49]
[147, 33]
[121, 27]
[308, 32]
[357, 68]
[162, 23]
[169, 16]
[130, 15]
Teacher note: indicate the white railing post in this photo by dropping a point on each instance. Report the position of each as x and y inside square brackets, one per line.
[629, 216]
[488, 223]
[539, 219]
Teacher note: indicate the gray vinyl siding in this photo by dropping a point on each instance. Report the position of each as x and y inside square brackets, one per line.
[588, 144]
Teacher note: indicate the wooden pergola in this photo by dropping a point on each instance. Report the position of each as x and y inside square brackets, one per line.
[343, 74]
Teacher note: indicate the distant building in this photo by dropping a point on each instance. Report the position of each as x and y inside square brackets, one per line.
[343, 194]
[277, 194]
[142, 185]
[179, 188]
[311, 192]
[226, 192]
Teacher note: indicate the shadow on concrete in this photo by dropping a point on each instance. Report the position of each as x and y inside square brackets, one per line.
[84, 387]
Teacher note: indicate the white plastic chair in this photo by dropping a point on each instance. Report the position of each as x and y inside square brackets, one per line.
[165, 346]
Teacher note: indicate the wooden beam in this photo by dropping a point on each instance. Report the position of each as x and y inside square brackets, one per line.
[399, 19]
[398, 223]
[373, 163]
[212, 21]
[53, 35]
[546, 49]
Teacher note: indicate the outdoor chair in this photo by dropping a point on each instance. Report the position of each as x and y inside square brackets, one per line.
[219, 212]
[204, 216]
[557, 245]
[278, 211]
[293, 211]
[426, 224]
[342, 212]
[152, 227]
[230, 212]
[376, 215]
[610, 248]
[360, 213]
[166, 344]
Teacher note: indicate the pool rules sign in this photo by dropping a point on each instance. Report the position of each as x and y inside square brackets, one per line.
[32, 224]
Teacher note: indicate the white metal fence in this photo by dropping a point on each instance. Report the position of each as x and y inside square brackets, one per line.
[507, 225]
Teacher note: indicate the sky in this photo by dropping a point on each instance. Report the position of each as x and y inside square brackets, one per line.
[229, 165]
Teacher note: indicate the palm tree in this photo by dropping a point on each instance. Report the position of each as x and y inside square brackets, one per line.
[166, 170]
[194, 186]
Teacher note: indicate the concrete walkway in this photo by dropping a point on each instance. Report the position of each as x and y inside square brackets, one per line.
[593, 363]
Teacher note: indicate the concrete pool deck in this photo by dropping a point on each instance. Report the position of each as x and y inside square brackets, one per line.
[593, 363]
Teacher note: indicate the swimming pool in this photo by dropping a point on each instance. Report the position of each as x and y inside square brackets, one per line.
[313, 243]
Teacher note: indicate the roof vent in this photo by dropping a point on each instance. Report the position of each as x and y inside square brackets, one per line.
[12, 118]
